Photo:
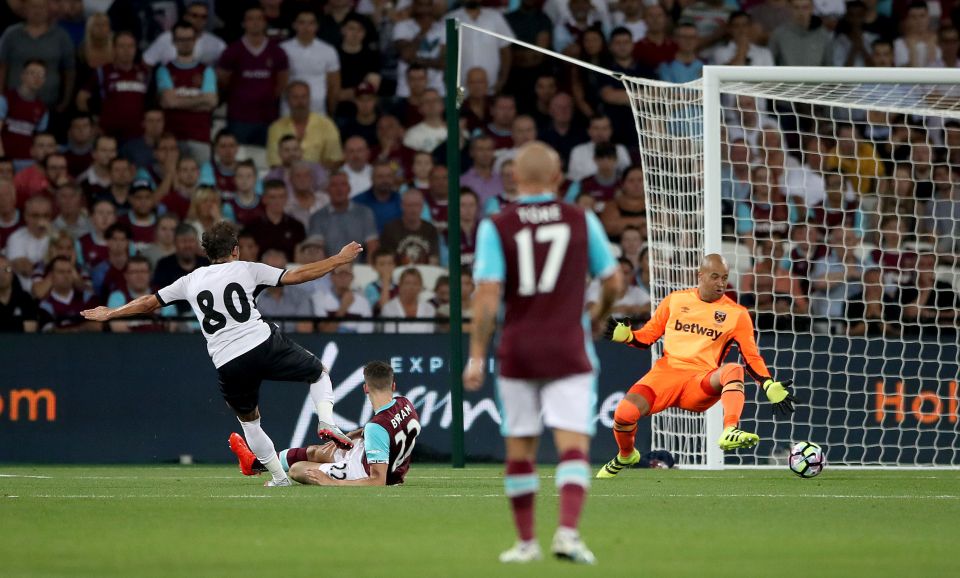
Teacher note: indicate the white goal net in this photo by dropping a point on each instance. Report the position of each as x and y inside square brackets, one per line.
[837, 206]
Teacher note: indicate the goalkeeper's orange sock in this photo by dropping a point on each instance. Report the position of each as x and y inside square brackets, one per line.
[625, 420]
[732, 399]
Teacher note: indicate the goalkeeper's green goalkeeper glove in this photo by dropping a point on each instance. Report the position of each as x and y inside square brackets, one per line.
[779, 396]
[619, 331]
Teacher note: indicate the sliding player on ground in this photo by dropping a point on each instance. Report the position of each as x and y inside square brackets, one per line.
[380, 456]
[698, 326]
[539, 251]
[245, 349]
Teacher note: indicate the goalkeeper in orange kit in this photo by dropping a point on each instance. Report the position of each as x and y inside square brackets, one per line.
[698, 327]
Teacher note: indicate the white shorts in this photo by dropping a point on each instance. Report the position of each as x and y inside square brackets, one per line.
[567, 403]
[347, 464]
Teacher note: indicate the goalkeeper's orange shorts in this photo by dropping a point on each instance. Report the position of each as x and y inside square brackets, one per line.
[664, 386]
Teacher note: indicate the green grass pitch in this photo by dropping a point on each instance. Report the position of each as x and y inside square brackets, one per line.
[210, 521]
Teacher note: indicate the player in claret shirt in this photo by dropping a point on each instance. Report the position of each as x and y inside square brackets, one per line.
[381, 455]
[698, 326]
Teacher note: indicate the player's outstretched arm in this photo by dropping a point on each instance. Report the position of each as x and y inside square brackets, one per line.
[486, 301]
[308, 473]
[777, 392]
[316, 270]
[138, 306]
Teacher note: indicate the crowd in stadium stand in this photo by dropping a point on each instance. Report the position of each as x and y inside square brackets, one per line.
[130, 127]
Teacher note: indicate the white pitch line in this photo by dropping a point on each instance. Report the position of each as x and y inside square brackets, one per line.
[498, 496]
[25, 476]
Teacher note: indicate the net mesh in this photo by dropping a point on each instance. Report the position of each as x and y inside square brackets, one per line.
[841, 225]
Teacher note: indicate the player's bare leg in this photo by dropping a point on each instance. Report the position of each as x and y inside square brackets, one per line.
[728, 382]
[631, 408]
[573, 480]
[262, 446]
[521, 484]
[321, 392]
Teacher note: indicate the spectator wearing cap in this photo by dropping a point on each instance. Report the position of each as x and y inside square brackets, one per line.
[118, 90]
[27, 246]
[283, 301]
[481, 177]
[38, 39]
[93, 245]
[118, 192]
[79, 147]
[413, 240]
[741, 50]
[206, 50]
[22, 112]
[141, 219]
[420, 40]
[71, 211]
[220, 170]
[108, 276]
[313, 61]
[428, 134]
[276, 229]
[60, 311]
[382, 197]
[187, 90]
[357, 165]
[306, 198]
[342, 305]
[801, 42]
[244, 200]
[483, 50]
[184, 260]
[18, 311]
[343, 221]
[363, 122]
[317, 134]
[252, 72]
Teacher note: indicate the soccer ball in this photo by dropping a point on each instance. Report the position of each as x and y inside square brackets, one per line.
[807, 459]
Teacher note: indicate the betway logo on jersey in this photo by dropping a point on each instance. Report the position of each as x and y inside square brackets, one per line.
[713, 334]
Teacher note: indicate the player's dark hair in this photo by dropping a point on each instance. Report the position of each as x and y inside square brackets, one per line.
[378, 375]
[219, 241]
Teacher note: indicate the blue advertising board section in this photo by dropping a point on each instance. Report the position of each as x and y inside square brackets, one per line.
[153, 398]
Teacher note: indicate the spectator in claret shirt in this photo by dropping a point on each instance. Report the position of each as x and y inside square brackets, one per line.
[93, 246]
[48, 174]
[500, 128]
[475, 109]
[219, 172]
[141, 220]
[118, 91]
[95, 181]
[244, 201]
[176, 199]
[657, 46]
[604, 184]
[108, 276]
[33, 178]
[253, 72]
[60, 311]
[276, 229]
[187, 91]
[390, 145]
[23, 114]
[407, 109]
[79, 147]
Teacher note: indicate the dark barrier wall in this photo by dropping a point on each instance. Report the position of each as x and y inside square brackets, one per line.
[150, 398]
[153, 398]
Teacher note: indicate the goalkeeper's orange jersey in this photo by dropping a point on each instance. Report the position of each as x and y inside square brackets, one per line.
[697, 335]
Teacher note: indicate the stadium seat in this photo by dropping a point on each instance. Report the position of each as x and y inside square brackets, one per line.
[363, 275]
[430, 274]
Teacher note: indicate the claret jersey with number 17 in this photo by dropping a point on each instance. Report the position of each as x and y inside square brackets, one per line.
[222, 297]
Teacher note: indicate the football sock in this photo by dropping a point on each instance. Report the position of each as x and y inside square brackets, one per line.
[573, 480]
[321, 392]
[291, 456]
[626, 416]
[521, 484]
[732, 399]
[262, 446]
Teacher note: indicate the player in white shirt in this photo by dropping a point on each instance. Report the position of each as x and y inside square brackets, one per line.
[244, 348]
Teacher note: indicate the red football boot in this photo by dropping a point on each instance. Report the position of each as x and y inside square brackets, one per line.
[248, 461]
